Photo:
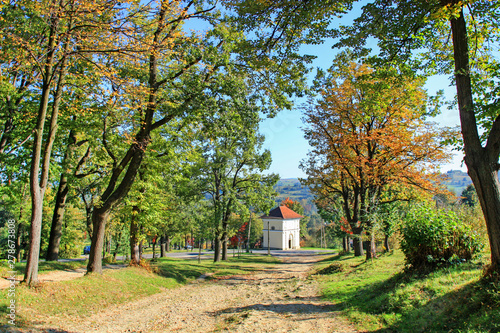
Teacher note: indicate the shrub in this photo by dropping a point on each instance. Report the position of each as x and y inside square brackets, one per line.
[332, 268]
[432, 238]
[67, 251]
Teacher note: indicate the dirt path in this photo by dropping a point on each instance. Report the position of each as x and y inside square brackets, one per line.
[276, 300]
[54, 276]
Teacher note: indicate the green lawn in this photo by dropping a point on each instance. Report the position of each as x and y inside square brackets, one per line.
[43, 266]
[378, 296]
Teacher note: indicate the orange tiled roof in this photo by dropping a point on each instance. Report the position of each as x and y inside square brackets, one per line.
[282, 213]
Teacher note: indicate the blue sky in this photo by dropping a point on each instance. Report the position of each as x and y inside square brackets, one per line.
[284, 136]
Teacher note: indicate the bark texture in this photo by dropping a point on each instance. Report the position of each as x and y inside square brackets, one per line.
[482, 162]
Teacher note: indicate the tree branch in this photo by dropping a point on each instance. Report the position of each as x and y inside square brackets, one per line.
[493, 143]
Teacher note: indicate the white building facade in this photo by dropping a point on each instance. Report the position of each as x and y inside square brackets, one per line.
[281, 229]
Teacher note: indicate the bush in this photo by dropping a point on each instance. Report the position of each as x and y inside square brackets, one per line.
[332, 268]
[68, 252]
[433, 238]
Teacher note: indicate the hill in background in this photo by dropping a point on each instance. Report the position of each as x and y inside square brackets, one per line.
[293, 189]
[455, 180]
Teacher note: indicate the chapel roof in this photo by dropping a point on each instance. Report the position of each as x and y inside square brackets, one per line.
[282, 213]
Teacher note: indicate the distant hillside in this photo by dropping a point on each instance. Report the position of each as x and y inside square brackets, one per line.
[455, 180]
[291, 188]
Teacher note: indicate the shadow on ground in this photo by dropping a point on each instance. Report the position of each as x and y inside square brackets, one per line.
[461, 310]
[302, 305]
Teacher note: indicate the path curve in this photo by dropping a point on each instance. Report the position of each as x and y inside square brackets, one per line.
[279, 299]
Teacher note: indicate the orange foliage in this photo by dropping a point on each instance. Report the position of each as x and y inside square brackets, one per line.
[369, 134]
[288, 203]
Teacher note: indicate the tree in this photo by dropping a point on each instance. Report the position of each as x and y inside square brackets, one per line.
[367, 132]
[15, 205]
[64, 29]
[469, 196]
[76, 151]
[299, 209]
[404, 27]
[166, 82]
[19, 76]
[162, 205]
[330, 210]
[231, 165]
[70, 171]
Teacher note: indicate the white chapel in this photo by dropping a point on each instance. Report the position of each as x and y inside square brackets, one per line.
[281, 229]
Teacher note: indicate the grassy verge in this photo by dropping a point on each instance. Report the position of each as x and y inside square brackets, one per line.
[43, 266]
[90, 294]
[379, 296]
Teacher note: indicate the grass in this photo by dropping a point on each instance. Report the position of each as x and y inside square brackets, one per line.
[182, 270]
[378, 296]
[149, 250]
[43, 266]
[90, 294]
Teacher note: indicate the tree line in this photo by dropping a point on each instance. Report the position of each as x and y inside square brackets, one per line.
[142, 110]
[124, 108]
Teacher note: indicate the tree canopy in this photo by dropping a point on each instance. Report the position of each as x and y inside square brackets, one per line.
[368, 134]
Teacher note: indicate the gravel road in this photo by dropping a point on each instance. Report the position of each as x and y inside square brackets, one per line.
[279, 299]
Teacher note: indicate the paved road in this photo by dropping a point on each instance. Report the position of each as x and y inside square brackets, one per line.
[210, 254]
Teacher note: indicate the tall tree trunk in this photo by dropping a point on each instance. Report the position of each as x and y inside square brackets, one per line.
[31, 274]
[357, 242]
[200, 242]
[60, 204]
[224, 241]
[135, 258]
[108, 248]
[162, 247]
[217, 248]
[248, 236]
[119, 184]
[167, 243]
[38, 182]
[99, 219]
[225, 223]
[57, 219]
[371, 249]
[19, 241]
[154, 248]
[112, 196]
[141, 248]
[117, 246]
[386, 243]
[482, 163]
[20, 226]
[39, 178]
